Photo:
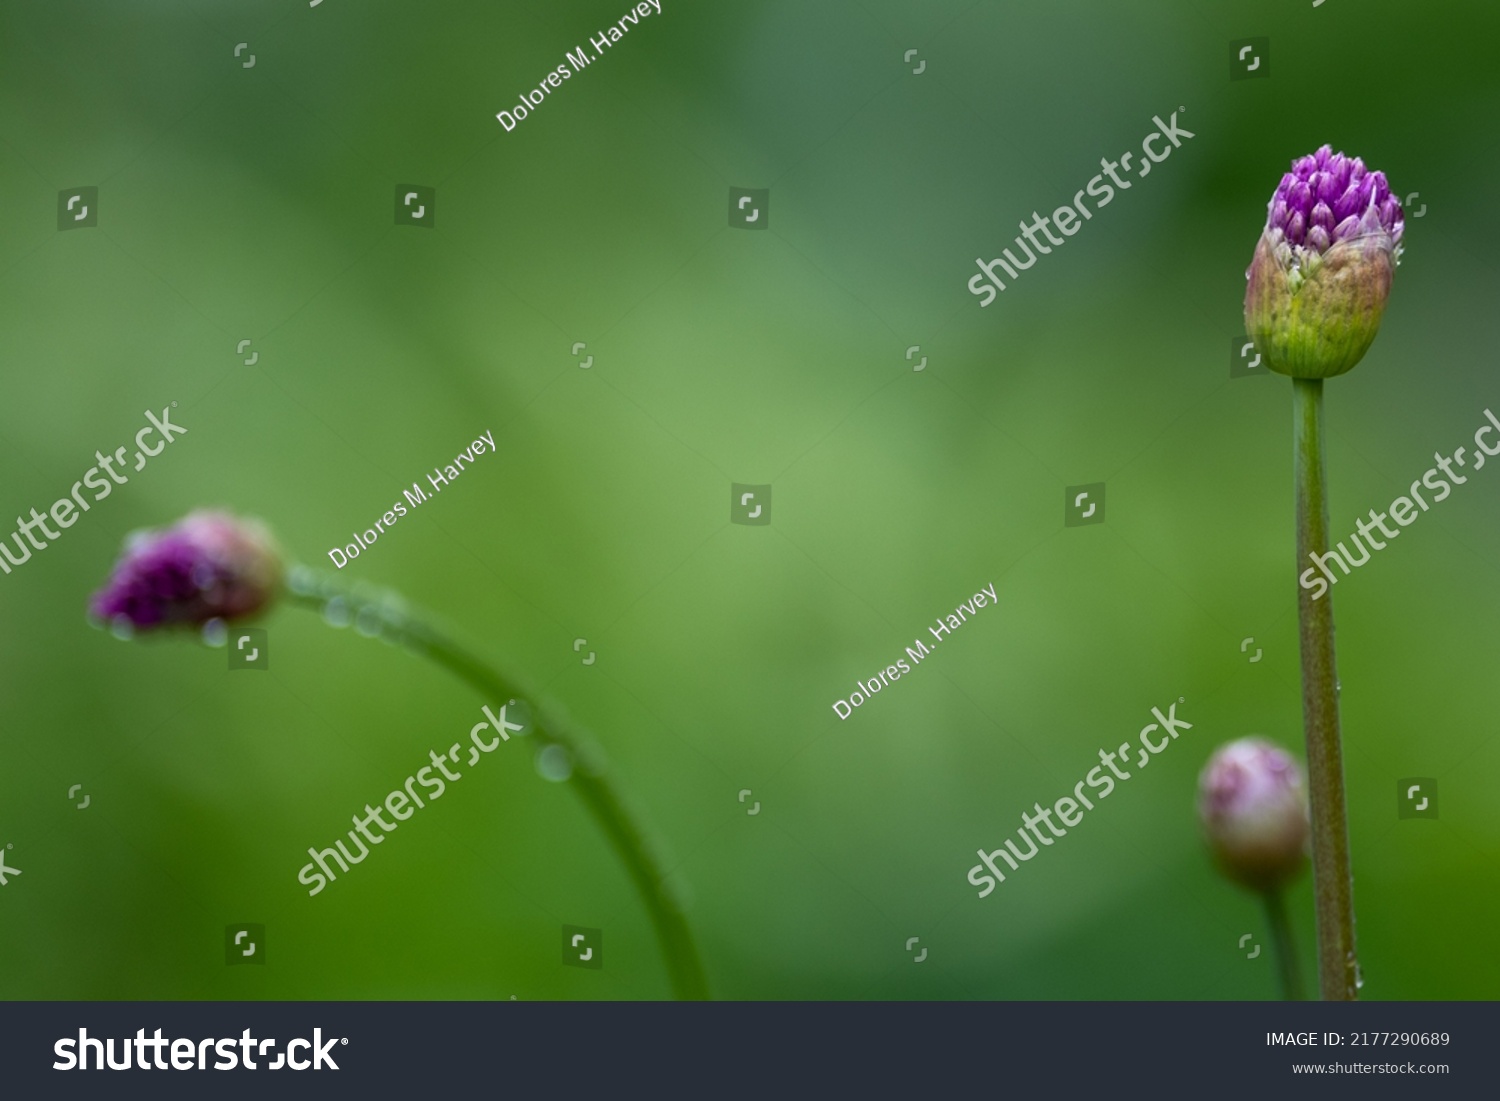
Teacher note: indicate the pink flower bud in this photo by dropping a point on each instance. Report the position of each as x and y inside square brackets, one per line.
[210, 565]
[1253, 807]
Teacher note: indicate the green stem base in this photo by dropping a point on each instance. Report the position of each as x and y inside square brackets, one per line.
[1287, 966]
[1338, 967]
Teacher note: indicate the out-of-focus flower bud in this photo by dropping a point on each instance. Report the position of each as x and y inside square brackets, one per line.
[1253, 807]
[1323, 267]
[210, 565]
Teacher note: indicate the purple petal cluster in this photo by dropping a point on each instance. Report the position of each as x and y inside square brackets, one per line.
[1327, 198]
[210, 565]
[1321, 275]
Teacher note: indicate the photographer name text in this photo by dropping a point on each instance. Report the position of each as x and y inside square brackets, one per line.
[441, 476]
[946, 625]
[578, 59]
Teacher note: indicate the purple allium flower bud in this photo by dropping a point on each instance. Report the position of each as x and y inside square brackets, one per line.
[1254, 811]
[1322, 270]
[210, 565]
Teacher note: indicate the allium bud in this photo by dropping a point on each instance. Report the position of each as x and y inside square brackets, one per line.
[210, 565]
[1254, 811]
[1322, 271]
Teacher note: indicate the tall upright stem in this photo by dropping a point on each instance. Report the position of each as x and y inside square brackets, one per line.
[385, 614]
[1286, 947]
[1338, 968]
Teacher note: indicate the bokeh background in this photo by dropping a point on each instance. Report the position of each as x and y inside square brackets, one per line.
[257, 203]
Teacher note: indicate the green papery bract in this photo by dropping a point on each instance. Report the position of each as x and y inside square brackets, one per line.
[1315, 316]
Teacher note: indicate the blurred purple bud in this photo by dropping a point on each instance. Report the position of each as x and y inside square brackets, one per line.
[1253, 808]
[210, 565]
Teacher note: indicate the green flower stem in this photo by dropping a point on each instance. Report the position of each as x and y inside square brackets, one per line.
[385, 614]
[1338, 968]
[1286, 948]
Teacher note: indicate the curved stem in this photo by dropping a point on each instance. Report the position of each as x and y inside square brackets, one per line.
[385, 613]
[1285, 946]
[1338, 968]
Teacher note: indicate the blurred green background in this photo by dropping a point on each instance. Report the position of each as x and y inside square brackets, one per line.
[257, 203]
